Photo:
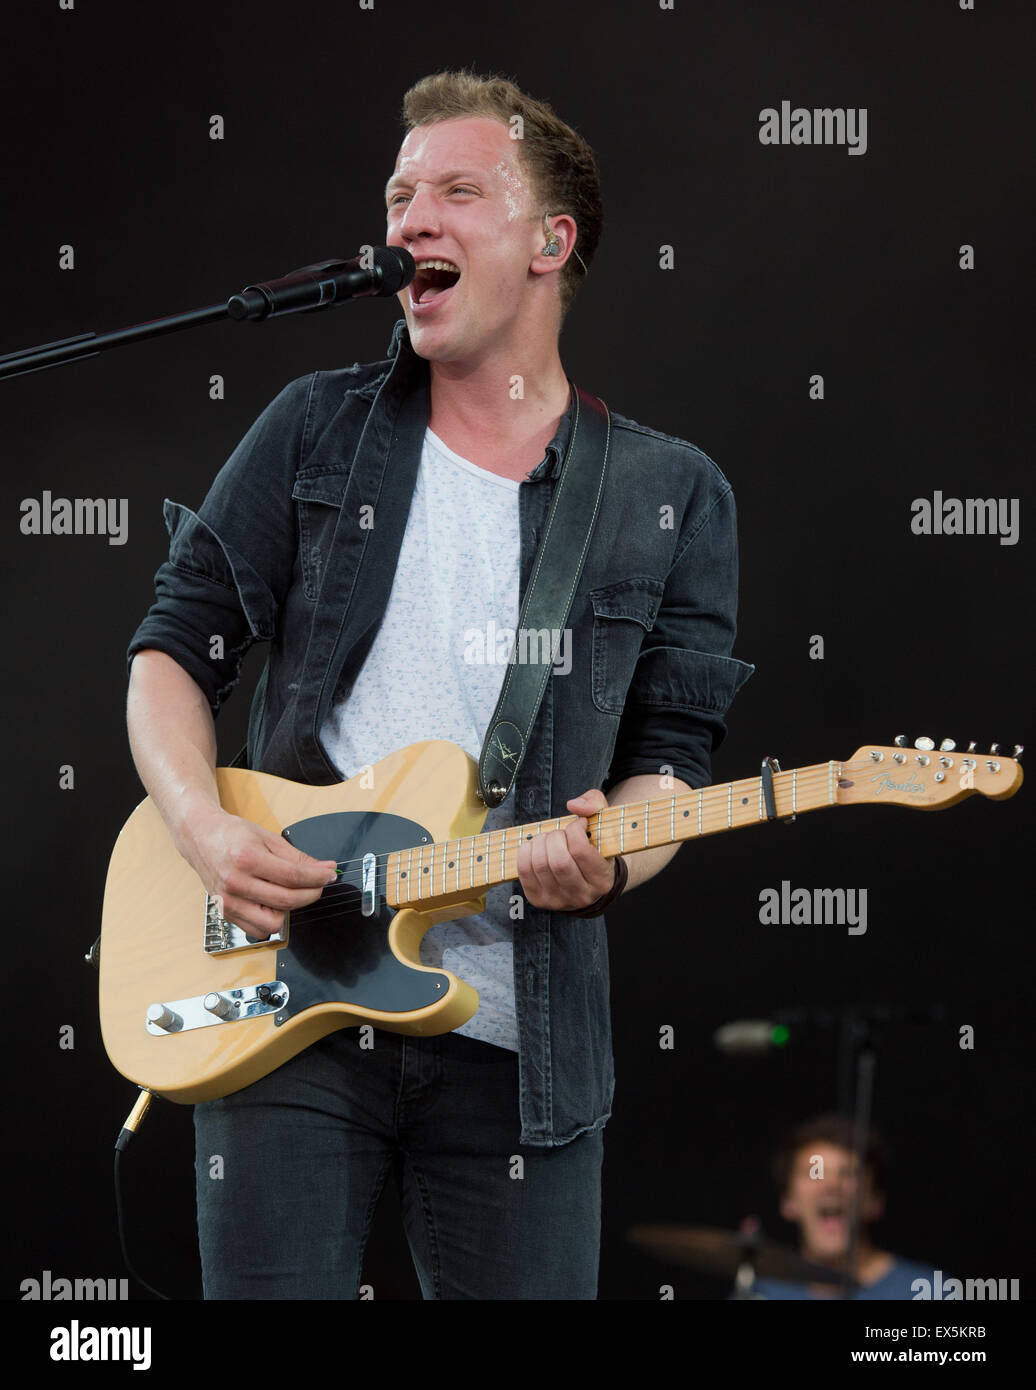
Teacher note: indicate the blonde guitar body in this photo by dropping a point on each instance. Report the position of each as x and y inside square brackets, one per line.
[367, 968]
[193, 1009]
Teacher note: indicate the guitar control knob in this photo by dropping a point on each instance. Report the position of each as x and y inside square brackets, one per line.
[900, 740]
[163, 1017]
[924, 742]
[219, 1004]
[947, 745]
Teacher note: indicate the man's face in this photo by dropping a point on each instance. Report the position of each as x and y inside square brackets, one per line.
[820, 1206]
[459, 194]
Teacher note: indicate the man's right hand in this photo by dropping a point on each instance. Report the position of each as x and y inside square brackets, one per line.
[257, 874]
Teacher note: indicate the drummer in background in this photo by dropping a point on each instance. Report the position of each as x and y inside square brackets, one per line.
[819, 1207]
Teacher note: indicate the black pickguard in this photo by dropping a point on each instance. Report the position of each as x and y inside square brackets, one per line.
[335, 954]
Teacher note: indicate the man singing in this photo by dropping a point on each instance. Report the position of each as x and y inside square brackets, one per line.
[372, 521]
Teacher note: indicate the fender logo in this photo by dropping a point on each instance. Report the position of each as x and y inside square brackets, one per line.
[886, 784]
[505, 754]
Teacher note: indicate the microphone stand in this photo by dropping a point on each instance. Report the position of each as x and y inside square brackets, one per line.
[37, 359]
[859, 1028]
[750, 1240]
[312, 287]
[857, 1057]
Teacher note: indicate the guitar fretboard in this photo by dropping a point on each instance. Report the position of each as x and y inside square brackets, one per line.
[420, 875]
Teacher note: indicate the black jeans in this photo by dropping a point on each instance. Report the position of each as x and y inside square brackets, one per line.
[289, 1172]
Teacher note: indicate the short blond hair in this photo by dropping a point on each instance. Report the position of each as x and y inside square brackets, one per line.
[558, 161]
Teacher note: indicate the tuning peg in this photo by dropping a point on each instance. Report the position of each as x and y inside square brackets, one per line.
[947, 746]
[994, 748]
[971, 746]
[900, 740]
[925, 743]
[1019, 749]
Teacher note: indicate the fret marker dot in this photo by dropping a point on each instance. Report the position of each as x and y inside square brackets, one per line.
[478, 857]
[744, 801]
[687, 813]
[424, 871]
[450, 864]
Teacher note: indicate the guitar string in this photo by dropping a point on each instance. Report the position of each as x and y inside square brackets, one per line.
[609, 816]
[714, 816]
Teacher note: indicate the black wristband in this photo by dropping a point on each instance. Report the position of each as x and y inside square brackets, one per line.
[622, 874]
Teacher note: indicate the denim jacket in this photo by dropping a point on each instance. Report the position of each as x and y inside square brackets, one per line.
[276, 553]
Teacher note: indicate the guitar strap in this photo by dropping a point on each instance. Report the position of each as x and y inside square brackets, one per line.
[548, 597]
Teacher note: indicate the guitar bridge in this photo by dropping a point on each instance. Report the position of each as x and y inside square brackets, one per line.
[222, 937]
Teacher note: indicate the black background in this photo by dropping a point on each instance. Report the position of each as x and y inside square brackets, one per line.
[789, 261]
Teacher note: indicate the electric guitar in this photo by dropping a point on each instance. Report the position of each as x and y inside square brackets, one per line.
[192, 1008]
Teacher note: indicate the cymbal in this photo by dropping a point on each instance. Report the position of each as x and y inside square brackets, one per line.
[720, 1252]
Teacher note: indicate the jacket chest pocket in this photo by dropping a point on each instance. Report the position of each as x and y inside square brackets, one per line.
[318, 505]
[624, 613]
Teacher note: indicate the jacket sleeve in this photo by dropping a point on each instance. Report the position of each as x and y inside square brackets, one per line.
[230, 563]
[685, 678]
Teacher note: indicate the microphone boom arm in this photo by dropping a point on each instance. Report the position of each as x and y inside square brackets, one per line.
[319, 286]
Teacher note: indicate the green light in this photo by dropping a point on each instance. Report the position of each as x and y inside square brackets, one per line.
[780, 1035]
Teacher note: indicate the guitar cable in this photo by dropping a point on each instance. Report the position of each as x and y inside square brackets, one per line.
[130, 1126]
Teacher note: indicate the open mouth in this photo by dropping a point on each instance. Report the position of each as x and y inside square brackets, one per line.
[831, 1213]
[433, 279]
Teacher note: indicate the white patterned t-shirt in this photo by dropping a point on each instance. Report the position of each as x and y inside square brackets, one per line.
[434, 671]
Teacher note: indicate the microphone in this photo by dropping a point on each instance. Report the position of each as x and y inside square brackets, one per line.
[750, 1037]
[380, 270]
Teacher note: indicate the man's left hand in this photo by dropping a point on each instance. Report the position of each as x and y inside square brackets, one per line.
[559, 869]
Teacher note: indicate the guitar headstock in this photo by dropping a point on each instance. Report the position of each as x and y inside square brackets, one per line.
[928, 777]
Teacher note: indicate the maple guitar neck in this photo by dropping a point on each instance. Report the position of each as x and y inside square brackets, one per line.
[447, 870]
